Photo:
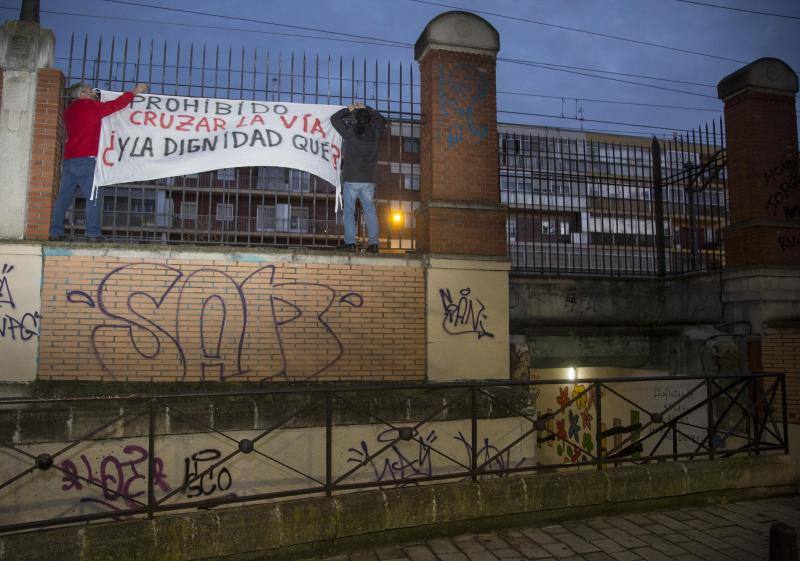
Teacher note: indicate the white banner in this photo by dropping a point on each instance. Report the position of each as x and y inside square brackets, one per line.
[159, 136]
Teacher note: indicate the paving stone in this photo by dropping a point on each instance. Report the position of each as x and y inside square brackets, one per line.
[664, 546]
[442, 545]
[343, 557]
[539, 536]
[706, 553]
[659, 529]
[559, 550]
[533, 551]
[651, 554]
[452, 557]
[746, 545]
[481, 556]
[555, 529]
[472, 547]
[670, 522]
[740, 555]
[608, 545]
[687, 557]
[599, 523]
[363, 556]
[626, 555]
[578, 544]
[623, 538]
[599, 556]
[387, 553]
[419, 553]
[586, 532]
[628, 526]
[506, 553]
[677, 538]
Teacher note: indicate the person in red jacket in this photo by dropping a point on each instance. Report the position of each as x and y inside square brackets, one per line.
[82, 120]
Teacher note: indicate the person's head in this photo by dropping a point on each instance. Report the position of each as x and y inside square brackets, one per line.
[361, 119]
[81, 90]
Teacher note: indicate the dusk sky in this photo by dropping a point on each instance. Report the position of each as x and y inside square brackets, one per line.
[720, 40]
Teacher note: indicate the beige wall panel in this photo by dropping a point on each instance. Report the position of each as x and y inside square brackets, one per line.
[20, 304]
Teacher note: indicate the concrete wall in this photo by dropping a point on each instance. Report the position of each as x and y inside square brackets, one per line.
[318, 525]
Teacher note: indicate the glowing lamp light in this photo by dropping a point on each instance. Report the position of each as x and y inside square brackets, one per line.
[397, 217]
[571, 373]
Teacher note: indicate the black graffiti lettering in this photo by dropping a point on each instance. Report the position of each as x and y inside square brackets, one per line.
[465, 316]
[22, 329]
[221, 108]
[141, 146]
[153, 102]
[5, 288]
[789, 242]
[256, 107]
[201, 476]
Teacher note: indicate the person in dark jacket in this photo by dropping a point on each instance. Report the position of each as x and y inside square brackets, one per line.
[361, 128]
[82, 120]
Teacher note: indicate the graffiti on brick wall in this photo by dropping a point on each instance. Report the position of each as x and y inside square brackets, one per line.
[464, 315]
[788, 242]
[208, 323]
[15, 325]
[779, 202]
[462, 91]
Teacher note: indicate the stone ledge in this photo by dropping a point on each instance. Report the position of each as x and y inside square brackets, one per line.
[321, 524]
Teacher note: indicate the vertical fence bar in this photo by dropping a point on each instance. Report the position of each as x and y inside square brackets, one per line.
[675, 441]
[785, 415]
[328, 442]
[473, 461]
[151, 458]
[658, 204]
[598, 427]
[710, 417]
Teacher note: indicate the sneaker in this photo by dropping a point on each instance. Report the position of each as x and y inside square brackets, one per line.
[372, 248]
[348, 247]
[60, 238]
[97, 239]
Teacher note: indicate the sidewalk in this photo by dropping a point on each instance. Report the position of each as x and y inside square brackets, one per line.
[731, 532]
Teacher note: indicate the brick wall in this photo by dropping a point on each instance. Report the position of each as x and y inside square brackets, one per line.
[207, 317]
[459, 157]
[780, 352]
[48, 133]
[764, 181]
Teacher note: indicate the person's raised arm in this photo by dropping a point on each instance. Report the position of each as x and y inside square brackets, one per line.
[109, 107]
[337, 120]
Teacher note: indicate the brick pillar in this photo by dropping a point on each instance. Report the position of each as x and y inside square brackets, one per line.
[461, 223]
[763, 174]
[761, 283]
[460, 211]
[48, 136]
[25, 48]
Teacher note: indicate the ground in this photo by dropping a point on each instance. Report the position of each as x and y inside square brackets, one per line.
[729, 532]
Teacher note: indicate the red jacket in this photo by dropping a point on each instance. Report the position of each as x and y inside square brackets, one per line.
[82, 121]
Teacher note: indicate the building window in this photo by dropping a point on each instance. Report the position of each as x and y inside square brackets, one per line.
[411, 182]
[225, 212]
[564, 228]
[411, 145]
[188, 211]
[548, 227]
[299, 219]
[265, 218]
[512, 229]
[226, 174]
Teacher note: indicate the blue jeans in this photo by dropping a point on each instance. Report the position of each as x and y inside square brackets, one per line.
[75, 172]
[364, 192]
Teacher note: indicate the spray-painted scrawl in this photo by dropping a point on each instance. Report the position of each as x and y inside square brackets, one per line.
[462, 90]
[208, 324]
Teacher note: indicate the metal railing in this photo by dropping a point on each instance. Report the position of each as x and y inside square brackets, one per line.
[84, 459]
[253, 194]
[578, 205]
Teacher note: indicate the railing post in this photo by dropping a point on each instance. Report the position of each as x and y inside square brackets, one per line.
[710, 412]
[473, 461]
[675, 441]
[328, 442]
[151, 458]
[598, 426]
[785, 414]
[658, 204]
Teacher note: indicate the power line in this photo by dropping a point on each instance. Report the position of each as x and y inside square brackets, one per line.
[525, 63]
[638, 125]
[621, 102]
[551, 66]
[658, 78]
[739, 9]
[214, 27]
[252, 20]
[586, 31]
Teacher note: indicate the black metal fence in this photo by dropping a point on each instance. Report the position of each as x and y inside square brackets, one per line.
[78, 460]
[254, 205]
[579, 203]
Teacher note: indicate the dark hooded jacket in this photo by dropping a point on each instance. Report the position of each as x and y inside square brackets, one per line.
[359, 150]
